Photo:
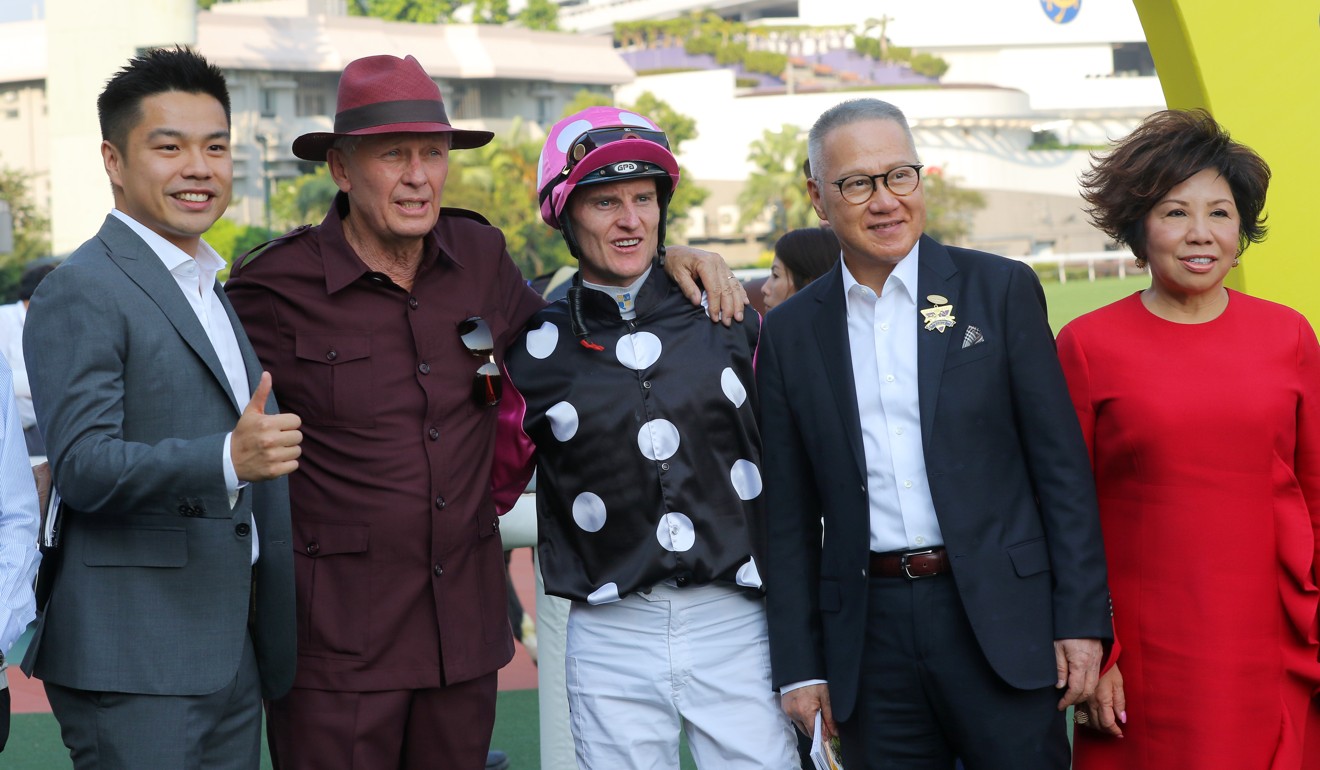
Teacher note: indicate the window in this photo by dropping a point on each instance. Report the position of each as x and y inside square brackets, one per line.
[1133, 60]
[269, 101]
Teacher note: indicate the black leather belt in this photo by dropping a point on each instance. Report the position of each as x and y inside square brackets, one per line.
[912, 565]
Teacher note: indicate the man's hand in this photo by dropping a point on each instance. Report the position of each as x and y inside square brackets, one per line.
[801, 706]
[264, 446]
[1078, 665]
[725, 295]
[1108, 707]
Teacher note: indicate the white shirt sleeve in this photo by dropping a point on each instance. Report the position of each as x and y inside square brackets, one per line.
[19, 520]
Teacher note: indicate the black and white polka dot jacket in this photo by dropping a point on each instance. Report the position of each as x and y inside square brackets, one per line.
[648, 452]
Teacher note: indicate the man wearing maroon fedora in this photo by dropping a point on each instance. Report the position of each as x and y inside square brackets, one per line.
[385, 328]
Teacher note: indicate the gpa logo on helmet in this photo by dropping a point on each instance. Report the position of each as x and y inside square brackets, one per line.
[627, 167]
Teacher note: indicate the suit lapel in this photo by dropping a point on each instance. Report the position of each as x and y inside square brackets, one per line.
[141, 265]
[251, 364]
[831, 329]
[935, 272]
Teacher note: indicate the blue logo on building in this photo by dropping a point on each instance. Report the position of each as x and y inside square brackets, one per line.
[1061, 11]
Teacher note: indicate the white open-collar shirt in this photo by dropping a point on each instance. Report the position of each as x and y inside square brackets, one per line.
[882, 334]
[196, 279]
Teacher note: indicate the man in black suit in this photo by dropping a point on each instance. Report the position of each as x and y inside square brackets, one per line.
[912, 398]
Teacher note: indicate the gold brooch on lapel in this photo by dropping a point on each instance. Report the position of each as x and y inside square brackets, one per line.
[939, 317]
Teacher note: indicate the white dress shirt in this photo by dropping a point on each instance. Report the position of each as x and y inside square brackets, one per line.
[196, 279]
[882, 334]
[19, 556]
[12, 318]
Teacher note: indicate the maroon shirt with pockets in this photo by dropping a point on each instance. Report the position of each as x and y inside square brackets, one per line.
[399, 565]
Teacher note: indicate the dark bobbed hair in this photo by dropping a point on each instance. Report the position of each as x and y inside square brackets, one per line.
[152, 72]
[32, 276]
[1168, 148]
[807, 253]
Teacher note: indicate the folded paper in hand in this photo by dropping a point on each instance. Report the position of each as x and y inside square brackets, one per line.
[823, 754]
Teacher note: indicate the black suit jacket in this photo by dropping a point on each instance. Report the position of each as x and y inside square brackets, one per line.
[1009, 475]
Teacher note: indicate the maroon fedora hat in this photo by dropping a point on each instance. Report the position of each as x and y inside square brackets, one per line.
[386, 95]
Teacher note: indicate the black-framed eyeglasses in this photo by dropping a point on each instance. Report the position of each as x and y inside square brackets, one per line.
[858, 188]
[487, 385]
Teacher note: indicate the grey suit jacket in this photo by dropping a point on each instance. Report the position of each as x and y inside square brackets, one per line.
[153, 579]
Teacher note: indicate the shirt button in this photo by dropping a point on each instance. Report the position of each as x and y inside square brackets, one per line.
[889, 378]
[664, 466]
[242, 530]
[907, 484]
[433, 433]
[412, 303]
[332, 354]
[438, 570]
[440, 503]
[424, 368]
[646, 384]
[920, 541]
[884, 327]
[898, 431]
[313, 548]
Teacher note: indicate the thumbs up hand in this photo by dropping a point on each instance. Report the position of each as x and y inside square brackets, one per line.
[265, 446]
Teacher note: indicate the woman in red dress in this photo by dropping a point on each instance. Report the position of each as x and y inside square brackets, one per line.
[1201, 408]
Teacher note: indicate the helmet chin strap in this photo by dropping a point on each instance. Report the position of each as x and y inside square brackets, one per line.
[575, 316]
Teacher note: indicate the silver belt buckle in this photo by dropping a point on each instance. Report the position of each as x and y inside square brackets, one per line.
[903, 562]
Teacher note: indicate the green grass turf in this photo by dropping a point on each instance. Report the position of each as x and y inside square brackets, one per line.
[1068, 300]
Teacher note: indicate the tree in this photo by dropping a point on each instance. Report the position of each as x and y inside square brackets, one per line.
[232, 240]
[31, 231]
[540, 14]
[497, 181]
[777, 184]
[31, 225]
[302, 200]
[949, 208]
[882, 24]
[490, 11]
[418, 11]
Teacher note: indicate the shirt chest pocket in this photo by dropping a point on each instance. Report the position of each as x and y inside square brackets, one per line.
[334, 379]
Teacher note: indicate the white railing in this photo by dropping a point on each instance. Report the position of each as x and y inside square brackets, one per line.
[1123, 259]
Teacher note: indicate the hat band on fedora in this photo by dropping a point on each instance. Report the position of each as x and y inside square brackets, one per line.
[387, 113]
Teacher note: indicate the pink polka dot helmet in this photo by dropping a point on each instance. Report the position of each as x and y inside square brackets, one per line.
[599, 145]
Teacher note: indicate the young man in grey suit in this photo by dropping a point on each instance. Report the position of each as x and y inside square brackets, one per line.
[170, 612]
[912, 396]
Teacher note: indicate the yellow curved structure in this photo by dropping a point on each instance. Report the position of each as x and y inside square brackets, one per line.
[1256, 68]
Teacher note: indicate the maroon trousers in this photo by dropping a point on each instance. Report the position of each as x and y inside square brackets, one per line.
[444, 728]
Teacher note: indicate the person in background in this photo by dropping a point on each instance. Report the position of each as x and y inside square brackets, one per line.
[1201, 409]
[801, 256]
[648, 473]
[385, 328]
[12, 318]
[19, 556]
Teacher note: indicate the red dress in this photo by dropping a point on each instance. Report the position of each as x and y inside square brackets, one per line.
[1205, 439]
